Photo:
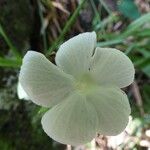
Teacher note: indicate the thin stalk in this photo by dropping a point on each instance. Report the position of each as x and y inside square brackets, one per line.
[111, 42]
[42, 22]
[95, 10]
[15, 63]
[67, 27]
[105, 6]
[9, 43]
[130, 48]
[111, 18]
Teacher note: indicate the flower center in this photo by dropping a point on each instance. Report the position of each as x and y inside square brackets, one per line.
[85, 84]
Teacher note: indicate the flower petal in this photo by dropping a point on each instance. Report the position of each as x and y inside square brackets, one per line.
[43, 82]
[21, 93]
[111, 66]
[112, 108]
[74, 55]
[73, 122]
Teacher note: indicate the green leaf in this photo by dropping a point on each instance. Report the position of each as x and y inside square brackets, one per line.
[143, 33]
[144, 65]
[15, 63]
[111, 42]
[129, 9]
[144, 52]
[133, 29]
[135, 25]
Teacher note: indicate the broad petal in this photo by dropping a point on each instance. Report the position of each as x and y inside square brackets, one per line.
[73, 122]
[43, 82]
[112, 107]
[74, 55]
[112, 67]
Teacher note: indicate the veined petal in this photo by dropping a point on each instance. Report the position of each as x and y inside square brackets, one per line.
[112, 67]
[73, 122]
[74, 55]
[112, 107]
[43, 82]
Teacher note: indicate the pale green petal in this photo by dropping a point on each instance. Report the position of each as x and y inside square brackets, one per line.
[43, 82]
[73, 122]
[112, 67]
[21, 93]
[74, 55]
[112, 107]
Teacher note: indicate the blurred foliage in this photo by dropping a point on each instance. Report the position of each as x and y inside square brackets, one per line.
[43, 26]
[129, 9]
[17, 19]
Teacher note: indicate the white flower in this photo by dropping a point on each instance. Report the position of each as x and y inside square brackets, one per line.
[21, 93]
[83, 89]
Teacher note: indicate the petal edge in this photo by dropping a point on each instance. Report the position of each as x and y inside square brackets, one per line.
[110, 66]
[72, 122]
[74, 55]
[44, 82]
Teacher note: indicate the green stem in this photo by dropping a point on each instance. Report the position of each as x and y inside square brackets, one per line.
[110, 19]
[130, 48]
[95, 10]
[15, 63]
[111, 42]
[105, 6]
[66, 28]
[9, 43]
[42, 22]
